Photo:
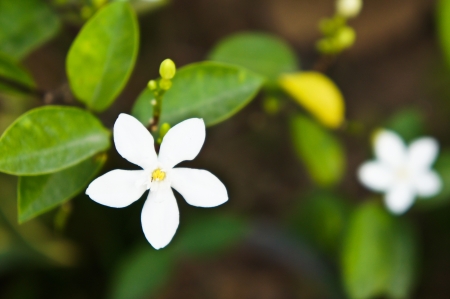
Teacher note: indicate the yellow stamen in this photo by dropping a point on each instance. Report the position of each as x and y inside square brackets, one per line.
[158, 175]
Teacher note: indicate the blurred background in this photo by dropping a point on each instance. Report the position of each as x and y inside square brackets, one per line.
[281, 235]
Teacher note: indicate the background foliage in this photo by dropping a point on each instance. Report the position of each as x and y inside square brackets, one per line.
[287, 129]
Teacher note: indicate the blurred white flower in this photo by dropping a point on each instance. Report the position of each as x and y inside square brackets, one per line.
[401, 172]
[160, 216]
[348, 8]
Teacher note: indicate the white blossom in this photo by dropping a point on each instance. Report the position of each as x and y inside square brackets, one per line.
[348, 8]
[120, 188]
[401, 172]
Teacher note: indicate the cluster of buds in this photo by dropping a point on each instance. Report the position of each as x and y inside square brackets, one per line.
[167, 71]
[338, 36]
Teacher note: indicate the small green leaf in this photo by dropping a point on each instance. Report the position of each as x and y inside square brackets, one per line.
[409, 123]
[209, 90]
[322, 154]
[379, 254]
[25, 25]
[102, 57]
[49, 139]
[262, 53]
[443, 27]
[10, 69]
[208, 235]
[38, 194]
[142, 273]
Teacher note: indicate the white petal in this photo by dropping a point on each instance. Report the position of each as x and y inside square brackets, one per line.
[118, 188]
[375, 176]
[199, 188]
[134, 142]
[422, 153]
[428, 184]
[389, 148]
[160, 217]
[400, 198]
[183, 142]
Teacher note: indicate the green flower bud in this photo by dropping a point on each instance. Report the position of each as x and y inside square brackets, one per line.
[165, 127]
[152, 85]
[165, 84]
[167, 69]
[345, 37]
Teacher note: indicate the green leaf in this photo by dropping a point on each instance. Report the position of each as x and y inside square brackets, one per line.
[142, 273]
[38, 194]
[25, 25]
[409, 123]
[209, 90]
[102, 57]
[327, 232]
[211, 234]
[379, 254]
[443, 27]
[322, 154]
[50, 139]
[10, 69]
[262, 53]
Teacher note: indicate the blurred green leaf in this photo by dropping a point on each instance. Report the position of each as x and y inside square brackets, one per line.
[102, 57]
[38, 194]
[409, 123]
[262, 53]
[209, 90]
[10, 69]
[379, 254]
[142, 273]
[49, 139]
[25, 25]
[443, 27]
[321, 218]
[211, 234]
[322, 154]
[144, 6]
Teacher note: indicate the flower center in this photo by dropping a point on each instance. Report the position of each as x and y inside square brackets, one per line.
[158, 175]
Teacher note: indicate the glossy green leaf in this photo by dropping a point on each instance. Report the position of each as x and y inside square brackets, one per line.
[102, 57]
[25, 25]
[379, 254]
[443, 27]
[262, 53]
[11, 70]
[142, 273]
[38, 194]
[209, 90]
[409, 123]
[210, 234]
[322, 154]
[49, 139]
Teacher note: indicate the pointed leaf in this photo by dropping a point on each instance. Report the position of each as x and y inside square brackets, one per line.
[102, 57]
[10, 69]
[38, 194]
[49, 139]
[208, 90]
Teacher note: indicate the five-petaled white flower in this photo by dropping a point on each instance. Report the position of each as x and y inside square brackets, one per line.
[160, 216]
[401, 172]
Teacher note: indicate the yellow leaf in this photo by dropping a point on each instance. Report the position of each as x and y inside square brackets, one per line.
[317, 94]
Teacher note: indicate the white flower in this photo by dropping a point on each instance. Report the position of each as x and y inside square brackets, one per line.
[120, 188]
[401, 172]
[348, 8]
